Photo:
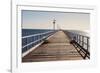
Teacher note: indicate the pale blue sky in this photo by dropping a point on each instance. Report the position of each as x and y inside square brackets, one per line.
[66, 20]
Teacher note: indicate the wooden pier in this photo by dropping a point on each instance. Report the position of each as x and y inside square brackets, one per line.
[55, 48]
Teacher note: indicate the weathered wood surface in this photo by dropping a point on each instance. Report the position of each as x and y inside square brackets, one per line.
[56, 48]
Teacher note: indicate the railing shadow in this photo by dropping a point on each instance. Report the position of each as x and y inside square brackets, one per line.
[80, 42]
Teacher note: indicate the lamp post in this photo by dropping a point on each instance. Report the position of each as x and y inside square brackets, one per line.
[54, 21]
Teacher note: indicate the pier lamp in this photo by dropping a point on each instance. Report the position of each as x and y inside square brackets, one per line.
[54, 21]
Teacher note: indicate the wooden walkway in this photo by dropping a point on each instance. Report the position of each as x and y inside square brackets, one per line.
[56, 48]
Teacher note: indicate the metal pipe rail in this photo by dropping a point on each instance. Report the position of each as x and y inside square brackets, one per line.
[32, 40]
[81, 43]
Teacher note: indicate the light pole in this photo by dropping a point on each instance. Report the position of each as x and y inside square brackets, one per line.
[54, 21]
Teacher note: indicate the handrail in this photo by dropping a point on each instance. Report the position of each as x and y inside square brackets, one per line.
[81, 42]
[33, 42]
[35, 39]
[35, 34]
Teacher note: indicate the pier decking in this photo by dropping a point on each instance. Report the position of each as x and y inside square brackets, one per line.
[57, 47]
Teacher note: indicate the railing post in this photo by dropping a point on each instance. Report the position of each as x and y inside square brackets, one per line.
[76, 38]
[87, 44]
[79, 39]
[83, 41]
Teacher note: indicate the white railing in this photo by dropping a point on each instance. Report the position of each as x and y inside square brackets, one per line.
[37, 34]
[80, 41]
[32, 40]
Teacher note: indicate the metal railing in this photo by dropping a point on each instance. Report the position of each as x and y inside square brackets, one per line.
[81, 43]
[32, 40]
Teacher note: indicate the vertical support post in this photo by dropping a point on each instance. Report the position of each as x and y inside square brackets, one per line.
[87, 43]
[27, 43]
[83, 41]
[79, 39]
[54, 21]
